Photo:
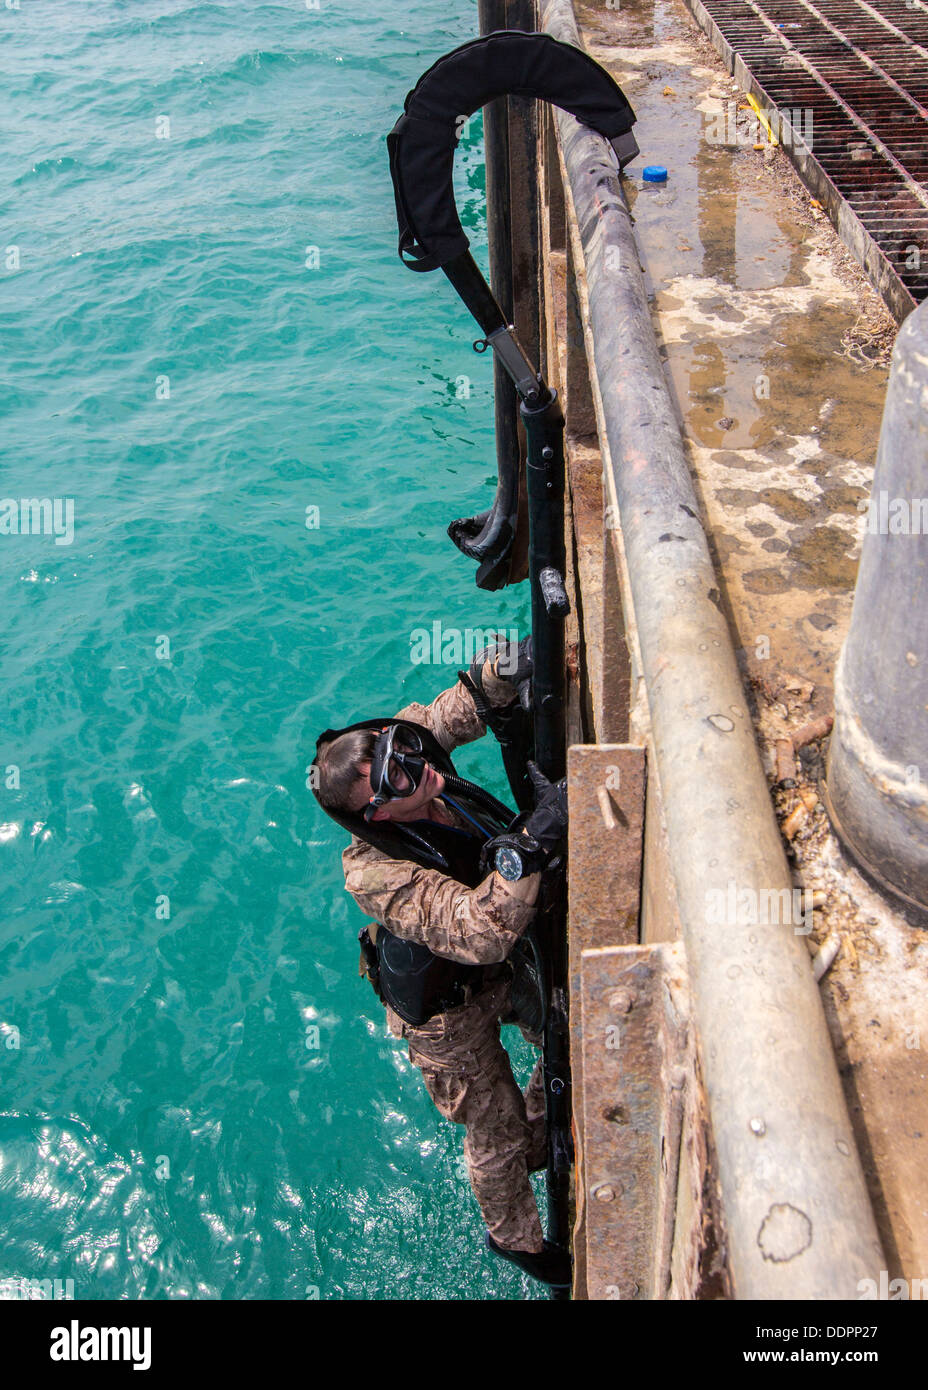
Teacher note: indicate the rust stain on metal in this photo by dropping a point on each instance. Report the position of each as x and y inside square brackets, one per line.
[634, 1037]
[606, 785]
[603, 899]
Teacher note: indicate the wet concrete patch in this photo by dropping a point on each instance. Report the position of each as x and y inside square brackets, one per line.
[821, 560]
[754, 311]
[767, 581]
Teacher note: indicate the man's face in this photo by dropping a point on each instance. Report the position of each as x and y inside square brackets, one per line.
[401, 808]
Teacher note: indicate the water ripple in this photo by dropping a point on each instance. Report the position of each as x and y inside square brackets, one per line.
[201, 1100]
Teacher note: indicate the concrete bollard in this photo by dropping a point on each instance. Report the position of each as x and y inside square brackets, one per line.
[877, 780]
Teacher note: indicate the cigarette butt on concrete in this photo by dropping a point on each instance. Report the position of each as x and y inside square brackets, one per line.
[786, 762]
[824, 957]
[813, 731]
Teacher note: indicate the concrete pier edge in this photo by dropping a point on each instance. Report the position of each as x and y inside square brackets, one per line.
[798, 1219]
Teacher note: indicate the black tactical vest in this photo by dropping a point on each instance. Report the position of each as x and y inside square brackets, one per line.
[416, 983]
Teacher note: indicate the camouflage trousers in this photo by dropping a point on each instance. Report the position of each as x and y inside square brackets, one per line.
[467, 1073]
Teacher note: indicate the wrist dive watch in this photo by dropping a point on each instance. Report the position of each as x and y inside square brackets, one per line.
[516, 856]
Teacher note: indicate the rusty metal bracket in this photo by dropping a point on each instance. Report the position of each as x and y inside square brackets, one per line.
[637, 1067]
[605, 789]
[605, 794]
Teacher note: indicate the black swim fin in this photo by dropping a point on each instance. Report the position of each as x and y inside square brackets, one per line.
[549, 1266]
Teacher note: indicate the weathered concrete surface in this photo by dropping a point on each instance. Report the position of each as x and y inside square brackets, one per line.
[766, 328]
[749, 281]
[876, 1004]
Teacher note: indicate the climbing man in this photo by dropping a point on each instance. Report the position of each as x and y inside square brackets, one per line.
[452, 883]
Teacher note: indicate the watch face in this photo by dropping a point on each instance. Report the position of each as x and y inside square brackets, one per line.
[509, 863]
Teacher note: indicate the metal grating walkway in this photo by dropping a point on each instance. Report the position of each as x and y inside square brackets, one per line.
[849, 79]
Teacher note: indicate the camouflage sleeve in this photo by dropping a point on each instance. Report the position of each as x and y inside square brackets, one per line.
[451, 716]
[476, 925]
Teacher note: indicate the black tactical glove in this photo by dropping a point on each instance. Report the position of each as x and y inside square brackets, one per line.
[532, 840]
[510, 662]
[548, 822]
[514, 665]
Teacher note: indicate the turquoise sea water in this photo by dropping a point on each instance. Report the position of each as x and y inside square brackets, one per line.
[174, 925]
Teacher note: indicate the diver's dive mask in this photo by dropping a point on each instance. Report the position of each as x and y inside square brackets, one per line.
[397, 766]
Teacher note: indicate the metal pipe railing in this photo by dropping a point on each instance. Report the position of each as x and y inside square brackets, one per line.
[797, 1216]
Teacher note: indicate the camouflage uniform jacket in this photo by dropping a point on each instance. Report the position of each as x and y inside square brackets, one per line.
[477, 925]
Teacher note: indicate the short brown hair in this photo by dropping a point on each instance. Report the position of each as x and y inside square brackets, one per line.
[338, 764]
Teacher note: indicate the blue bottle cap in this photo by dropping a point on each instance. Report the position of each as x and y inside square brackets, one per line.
[654, 173]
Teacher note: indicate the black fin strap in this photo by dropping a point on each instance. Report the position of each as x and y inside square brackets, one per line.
[411, 253]
[498, 720]
[422, 260]
[480, 703]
